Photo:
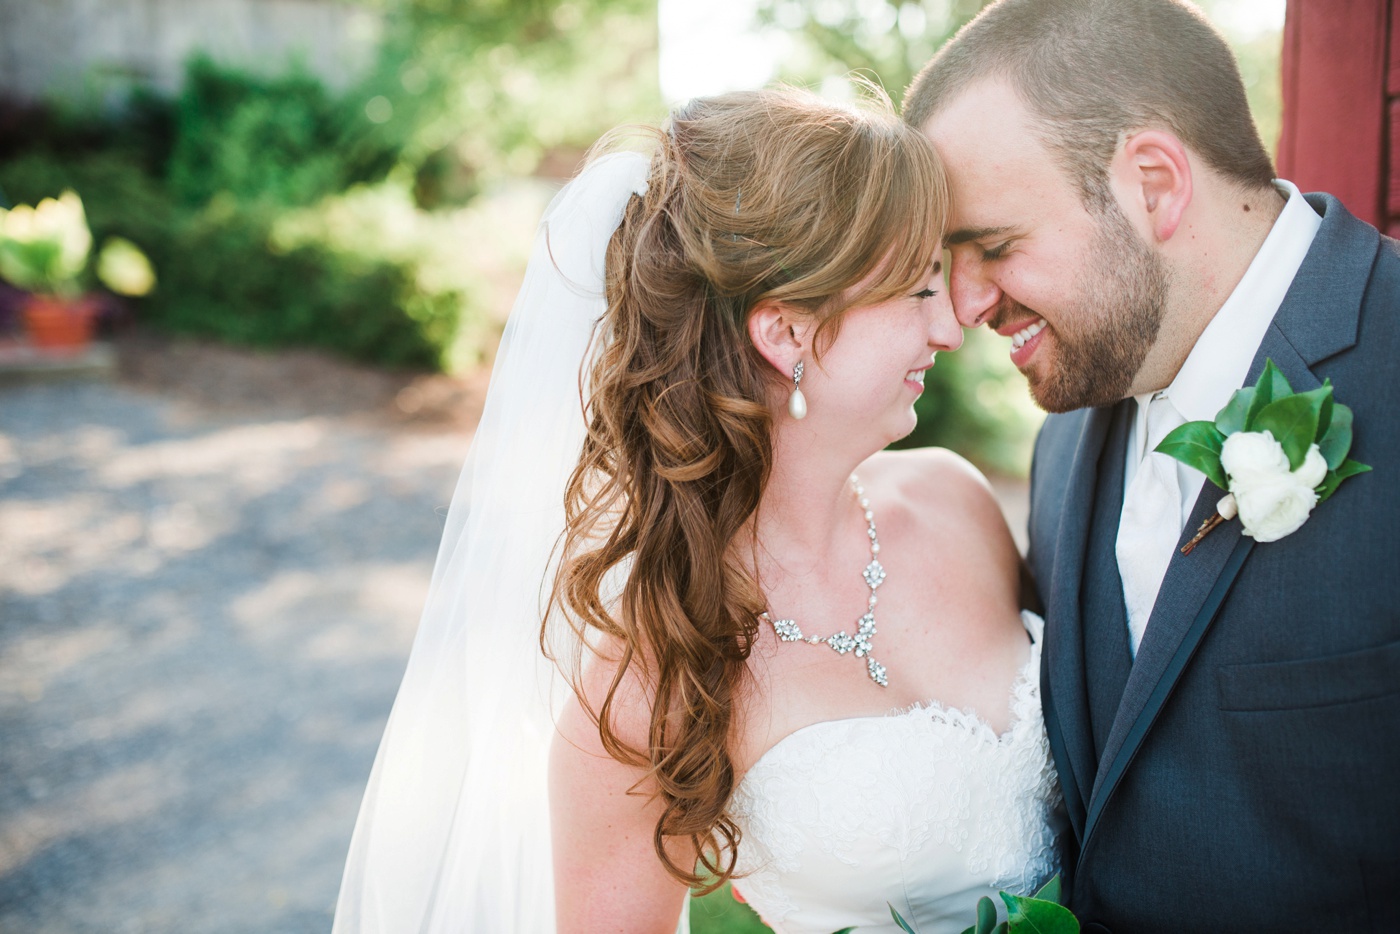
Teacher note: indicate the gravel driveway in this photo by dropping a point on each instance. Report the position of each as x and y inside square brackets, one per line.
[204, 611]
[210, 573]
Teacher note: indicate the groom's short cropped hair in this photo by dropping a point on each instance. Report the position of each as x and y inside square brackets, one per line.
[1090, 70]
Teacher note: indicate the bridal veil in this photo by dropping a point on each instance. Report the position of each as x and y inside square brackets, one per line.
[453, 833]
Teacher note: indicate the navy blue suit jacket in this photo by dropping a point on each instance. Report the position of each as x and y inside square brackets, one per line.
[1249, 777]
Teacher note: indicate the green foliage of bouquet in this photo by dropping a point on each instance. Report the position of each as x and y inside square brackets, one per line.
[1040, 913]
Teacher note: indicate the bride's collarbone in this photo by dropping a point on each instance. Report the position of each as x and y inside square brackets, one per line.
[947, 626]
[796, 686]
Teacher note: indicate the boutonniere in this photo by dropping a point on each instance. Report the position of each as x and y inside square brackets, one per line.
[1277, 453]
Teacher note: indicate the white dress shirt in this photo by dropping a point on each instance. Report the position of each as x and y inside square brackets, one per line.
[1219, 362]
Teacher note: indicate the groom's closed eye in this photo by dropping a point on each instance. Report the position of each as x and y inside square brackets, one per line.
[975, 237]
[996, 252]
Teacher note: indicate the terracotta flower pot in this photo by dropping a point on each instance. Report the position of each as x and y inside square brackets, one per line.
[59, 324]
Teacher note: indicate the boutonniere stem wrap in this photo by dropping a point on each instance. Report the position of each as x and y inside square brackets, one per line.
[1277, 454]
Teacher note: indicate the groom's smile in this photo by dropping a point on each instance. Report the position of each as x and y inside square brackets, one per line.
[1025, 337]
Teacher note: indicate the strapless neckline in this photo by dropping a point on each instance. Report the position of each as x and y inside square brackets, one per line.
[925, 808]
[1024, 700]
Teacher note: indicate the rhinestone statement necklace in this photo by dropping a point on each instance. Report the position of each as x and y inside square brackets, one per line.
[843, 642]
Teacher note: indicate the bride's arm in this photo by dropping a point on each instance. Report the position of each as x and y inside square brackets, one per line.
[607, 876]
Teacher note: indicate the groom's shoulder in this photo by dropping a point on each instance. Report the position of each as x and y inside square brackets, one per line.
[1346, 247]
[1385, 274]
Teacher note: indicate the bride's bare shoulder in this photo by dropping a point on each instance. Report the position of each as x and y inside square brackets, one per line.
[934, 477]
[941, 493]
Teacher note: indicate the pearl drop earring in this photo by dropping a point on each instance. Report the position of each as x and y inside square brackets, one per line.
[797, 403]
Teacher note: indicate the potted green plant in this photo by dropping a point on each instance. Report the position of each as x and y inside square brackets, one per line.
[44, 250]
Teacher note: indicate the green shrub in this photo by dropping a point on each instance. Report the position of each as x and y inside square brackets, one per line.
[118, 196]
[229, 282]
[221, 276]
[255, 138]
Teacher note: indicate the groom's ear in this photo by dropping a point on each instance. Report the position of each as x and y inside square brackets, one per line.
[781, 334]
[1154, 169]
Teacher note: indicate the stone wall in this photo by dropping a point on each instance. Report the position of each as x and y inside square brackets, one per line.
[99, 49]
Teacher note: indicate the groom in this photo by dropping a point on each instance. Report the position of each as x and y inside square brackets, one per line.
[1226, 724]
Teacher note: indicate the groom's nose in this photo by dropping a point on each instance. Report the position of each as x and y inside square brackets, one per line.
[974, 294]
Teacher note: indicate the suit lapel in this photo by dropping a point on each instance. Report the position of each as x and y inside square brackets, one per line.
[1062, 675]
[1318, 318]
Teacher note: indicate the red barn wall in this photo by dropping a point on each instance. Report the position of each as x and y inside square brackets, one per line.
[1341, 104]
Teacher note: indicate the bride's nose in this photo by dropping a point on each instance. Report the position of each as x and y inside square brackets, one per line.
[945, 333]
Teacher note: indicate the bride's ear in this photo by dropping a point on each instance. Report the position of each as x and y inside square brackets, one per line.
[781, 334]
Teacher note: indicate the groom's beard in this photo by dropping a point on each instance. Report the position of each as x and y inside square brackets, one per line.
[1101, 339]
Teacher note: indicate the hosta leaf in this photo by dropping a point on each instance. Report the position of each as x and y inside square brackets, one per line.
[899, 920]
[1197, 444]
[1348, 468]
[1293, 422]
[1235, 415]
[986, 915]
[1038, 916]
[1050, 891]
[1336, 442]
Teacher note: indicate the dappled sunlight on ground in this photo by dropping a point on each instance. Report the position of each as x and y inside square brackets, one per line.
[204, 614]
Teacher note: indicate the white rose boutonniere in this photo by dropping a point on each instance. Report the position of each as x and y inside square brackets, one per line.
[1278, 454]
[1272, 499]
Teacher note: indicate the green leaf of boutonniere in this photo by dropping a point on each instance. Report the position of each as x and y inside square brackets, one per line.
[1292, 421]
[1336, 440]
[1271, 387]
[1324, 414]
[1039, 916]
[1198, 445]
[1348, 468]
[1235, 416]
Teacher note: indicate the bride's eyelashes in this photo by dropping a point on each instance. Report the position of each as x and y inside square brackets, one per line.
[931, 292]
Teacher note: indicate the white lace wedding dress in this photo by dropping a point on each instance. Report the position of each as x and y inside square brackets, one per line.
[925, 809]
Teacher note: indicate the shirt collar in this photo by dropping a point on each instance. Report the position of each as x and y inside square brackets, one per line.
[1220, 360]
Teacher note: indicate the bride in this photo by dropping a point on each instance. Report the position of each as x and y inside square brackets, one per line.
[762, 650]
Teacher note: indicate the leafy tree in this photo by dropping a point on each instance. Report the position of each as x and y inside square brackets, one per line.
[472, 91]
[888, 41]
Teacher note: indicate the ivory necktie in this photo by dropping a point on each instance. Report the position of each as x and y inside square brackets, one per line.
[1151, 521]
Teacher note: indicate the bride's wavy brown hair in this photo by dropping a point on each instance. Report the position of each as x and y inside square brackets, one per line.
[765, 195]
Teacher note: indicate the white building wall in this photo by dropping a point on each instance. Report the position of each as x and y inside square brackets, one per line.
[97, 49]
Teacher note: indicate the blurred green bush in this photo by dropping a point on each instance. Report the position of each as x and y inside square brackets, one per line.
[278, 212]
[222, 276]
[254, 138]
